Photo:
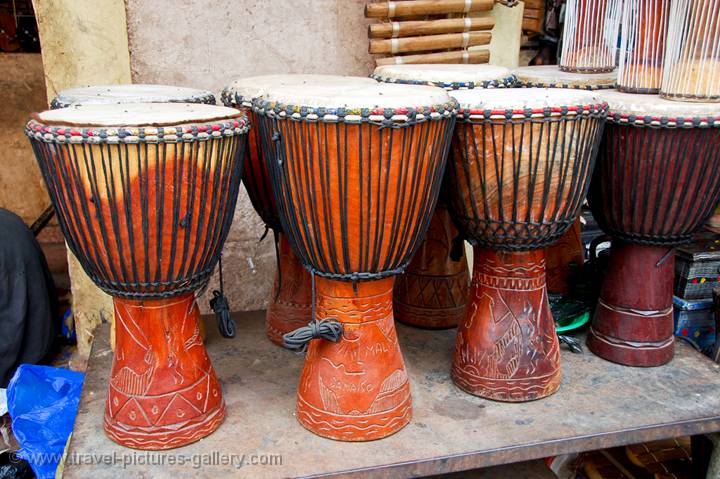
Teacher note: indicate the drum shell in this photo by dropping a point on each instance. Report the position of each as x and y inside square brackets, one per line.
[145, 219]
[518, 185]
[359, 208]
[256, 176]
[656, 186]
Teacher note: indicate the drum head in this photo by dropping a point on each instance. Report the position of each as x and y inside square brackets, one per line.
[244, 90]
[550, 76]
[451, 77]
[359, 95]
[137, 114]
[654, 110]
[525, 99]
[138, 93]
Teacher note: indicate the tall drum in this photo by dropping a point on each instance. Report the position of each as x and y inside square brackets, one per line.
[291, 300]
[432, 292]
[356, 180]
[590, 36]
[642, 45]
[657, 181]
[519, 173]
[145, 195]
[692, 63]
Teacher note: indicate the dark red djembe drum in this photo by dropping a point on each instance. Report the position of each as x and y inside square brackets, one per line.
[657, 181]
[145, 195]
[290, 302]
[521, 163]
[356, 178]
[432, 292]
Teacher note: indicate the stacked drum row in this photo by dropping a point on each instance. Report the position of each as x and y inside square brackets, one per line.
[364, 180]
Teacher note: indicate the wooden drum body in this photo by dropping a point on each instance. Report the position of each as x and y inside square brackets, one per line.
[290, 303]
[520, 169]
[432, 292]
[146, 210]
[657, 181]
[356, 180]
[590, 36]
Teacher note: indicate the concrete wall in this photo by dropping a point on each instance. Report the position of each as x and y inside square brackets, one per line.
[244, 38]
[83, 42]
[22, 90]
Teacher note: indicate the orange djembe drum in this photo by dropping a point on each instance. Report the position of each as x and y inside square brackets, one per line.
[432, 292]
[356, 178]
[590, 36]
[521, 164]
[145, 195]
[291, 301]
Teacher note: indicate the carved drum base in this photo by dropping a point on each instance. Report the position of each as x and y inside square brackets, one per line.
[290, 305]
[506, 347]
[633, 322]
[163, 390]
[432, 293]
[356, 389]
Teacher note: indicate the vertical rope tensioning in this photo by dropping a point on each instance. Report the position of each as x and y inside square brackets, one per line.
[692, 64]
[146, 217]
[525, 196]
[590, 35]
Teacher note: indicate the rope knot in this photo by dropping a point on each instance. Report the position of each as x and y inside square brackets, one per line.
[329, 330]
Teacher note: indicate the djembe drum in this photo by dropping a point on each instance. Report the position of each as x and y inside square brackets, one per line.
[642, 45]
[692, 62]
[290, 301]
[590, 36]
[356, 178]
[563, 257]
[521, 164]
[657, 180]
[432, 292]
[133, 93]
[145, 195]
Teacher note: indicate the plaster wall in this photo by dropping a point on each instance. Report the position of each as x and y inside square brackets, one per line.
[83, 42]
[207, 45]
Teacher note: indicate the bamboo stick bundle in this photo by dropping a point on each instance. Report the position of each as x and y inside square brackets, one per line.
[395, 9]
[430, 42]
[456, 56]
[430, 27]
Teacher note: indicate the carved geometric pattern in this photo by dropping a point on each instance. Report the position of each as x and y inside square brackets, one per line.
[163, 390]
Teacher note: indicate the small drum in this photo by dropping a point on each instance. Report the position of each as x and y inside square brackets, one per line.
[291, 300]
[136, 93]
[432, 292]
[590, 36]
[692, 62]
[550, 76]
[145, 194]
[356, 181]
[657, 181]
[642, 45]
[521, 164]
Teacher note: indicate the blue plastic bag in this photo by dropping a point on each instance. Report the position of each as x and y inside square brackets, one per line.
[43, 402]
